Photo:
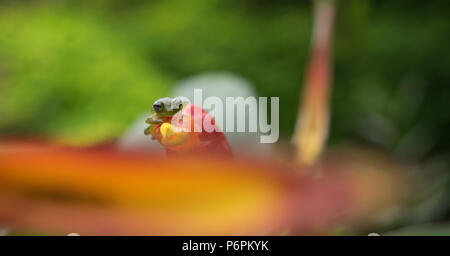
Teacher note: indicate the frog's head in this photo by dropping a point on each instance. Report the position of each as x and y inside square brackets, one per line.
[167, 107]
[162, 110]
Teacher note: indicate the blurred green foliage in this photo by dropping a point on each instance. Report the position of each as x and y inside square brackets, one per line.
[68, 76]
[82, 70]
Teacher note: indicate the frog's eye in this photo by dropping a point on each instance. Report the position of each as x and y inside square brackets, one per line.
[177, 103]
[158, 107]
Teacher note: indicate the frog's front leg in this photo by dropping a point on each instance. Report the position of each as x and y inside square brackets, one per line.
[151, 130]
[153, 122]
